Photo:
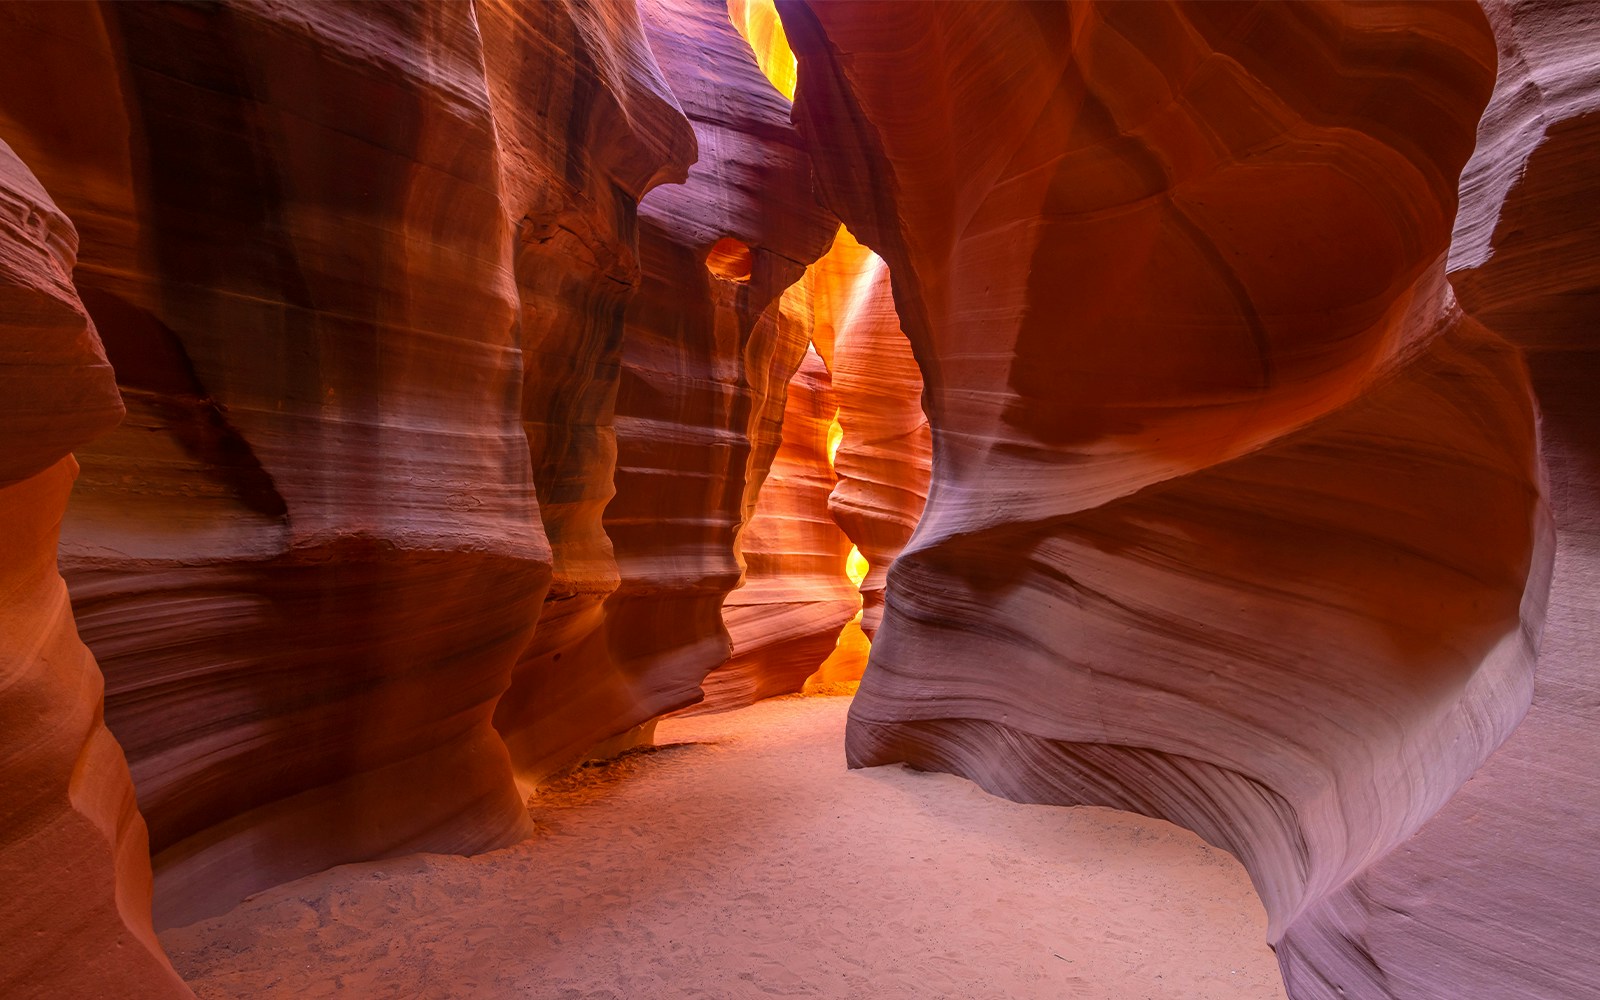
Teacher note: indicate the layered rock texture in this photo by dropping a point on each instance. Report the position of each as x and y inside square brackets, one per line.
[311, 238]
[1235, 517]
[884, 452]
[703, 368]
[1495, 897]
[784, 620]
[1205, 411]
[73, 852]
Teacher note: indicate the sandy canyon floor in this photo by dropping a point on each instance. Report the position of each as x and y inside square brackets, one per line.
[742, 859]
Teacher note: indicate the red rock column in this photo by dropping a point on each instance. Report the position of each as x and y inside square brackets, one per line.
[885, 448]
[576, 268]
[1234, 516]
[704, 367]
[312, 555]
[73, 851]
[1495, 896]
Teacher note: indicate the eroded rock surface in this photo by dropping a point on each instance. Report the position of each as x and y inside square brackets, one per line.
[73, 851]
[1230, 523]
[705, 361]
[1494, 897]
[785, 618]
[309, 558]
[454, 425]
[885, 448]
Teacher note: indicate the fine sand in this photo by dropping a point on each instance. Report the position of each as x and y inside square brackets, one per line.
[744, 860]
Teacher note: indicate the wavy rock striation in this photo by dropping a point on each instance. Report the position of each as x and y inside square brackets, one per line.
[454, 421]
[784, 620]
[310, 557]
[885, 448]
[1494, 896]
[704, 364]
[1234, 517]
[73, 850]
[577, 265]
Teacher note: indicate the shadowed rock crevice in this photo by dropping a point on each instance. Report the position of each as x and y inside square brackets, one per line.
[158, 382]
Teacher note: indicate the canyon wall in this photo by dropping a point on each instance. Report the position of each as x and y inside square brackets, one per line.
[310, 556]
[885, 449]
[482, 363]
[864, 442]
[74, 856]
[703, 368]
[1235, 517]
[785, 619]
[854, 430]
[416, 501]
[1494, 897]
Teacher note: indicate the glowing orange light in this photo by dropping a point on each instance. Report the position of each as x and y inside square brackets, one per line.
[844, 667]
[730, 259]
[835, 438]
[757, 21]
[856, 566]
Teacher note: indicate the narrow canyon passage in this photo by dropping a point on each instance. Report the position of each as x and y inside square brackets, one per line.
[1177, 407]
[742, 859]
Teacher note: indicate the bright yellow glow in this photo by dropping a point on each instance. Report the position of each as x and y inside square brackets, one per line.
[757, 21]
[844, 667]
[835, 438]
[843, 286]
[856, 566]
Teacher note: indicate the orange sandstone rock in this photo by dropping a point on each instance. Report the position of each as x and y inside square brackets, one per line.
[1495, 896]
[311, 556]
[450, 430]
[704, 366]
[1234, 516]
[785, 619]
[576, 267]
[73, 852]
[885, 447]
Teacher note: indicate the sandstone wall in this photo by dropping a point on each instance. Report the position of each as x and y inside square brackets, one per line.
[459, 406]
[885, 448]
[704, 365]
[74, 857]
[309, 558]
[1493, 897]
[1235, 517]
[784, 620]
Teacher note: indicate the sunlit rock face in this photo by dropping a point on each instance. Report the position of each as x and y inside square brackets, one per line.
[758, 24]
[311, 554]
[1495, 897]
[73, 851]
[1235, 516]
[884, 447]
[704, 364]
[868, 447]
[784, 619]
[454, 426]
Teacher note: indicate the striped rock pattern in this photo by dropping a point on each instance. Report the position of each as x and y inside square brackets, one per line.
[1235, 516]
[74, 856]
[309, 558]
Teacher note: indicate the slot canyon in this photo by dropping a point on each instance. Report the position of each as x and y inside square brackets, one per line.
[836, 498]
